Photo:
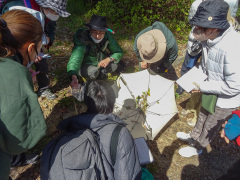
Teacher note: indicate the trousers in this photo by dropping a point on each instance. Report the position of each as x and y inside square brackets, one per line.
[208, 125]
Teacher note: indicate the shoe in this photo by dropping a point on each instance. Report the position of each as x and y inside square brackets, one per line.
[189, 151]
[184, 137]
[31, 159]
[47, 93]
[179, 90]
[24, 159]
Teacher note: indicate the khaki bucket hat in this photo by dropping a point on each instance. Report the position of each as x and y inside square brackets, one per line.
[152, 46]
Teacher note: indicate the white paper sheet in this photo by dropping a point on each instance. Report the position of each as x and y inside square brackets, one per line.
[193, 75]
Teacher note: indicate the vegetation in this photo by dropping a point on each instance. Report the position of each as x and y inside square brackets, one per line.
[130, 16]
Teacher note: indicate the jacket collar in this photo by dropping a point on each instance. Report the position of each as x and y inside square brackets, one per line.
[90, 121]
[219, 38]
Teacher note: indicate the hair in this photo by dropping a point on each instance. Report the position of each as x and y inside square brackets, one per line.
[99, 97]
[18, 27]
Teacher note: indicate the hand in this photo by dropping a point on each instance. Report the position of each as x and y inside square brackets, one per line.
[74, 82]
[223, 133]
[104, 63]
[38, 59]
[144, 65]
[196, 89]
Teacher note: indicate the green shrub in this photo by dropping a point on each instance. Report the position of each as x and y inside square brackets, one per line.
[128, 17]
[134, 15]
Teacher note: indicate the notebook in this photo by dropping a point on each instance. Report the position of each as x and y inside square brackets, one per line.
[144, 153]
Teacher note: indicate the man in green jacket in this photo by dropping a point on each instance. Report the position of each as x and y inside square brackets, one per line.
[95, 53]
[156, 47]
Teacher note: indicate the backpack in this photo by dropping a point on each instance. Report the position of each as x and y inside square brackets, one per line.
[76, 155]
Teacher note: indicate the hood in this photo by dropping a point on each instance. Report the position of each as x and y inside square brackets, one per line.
[90, 121]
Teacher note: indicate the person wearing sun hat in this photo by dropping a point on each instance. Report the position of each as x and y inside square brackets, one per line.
[194, 49]
[155, 45]
[51, 10]
[90, 58]
[59, 6]
[220, 62]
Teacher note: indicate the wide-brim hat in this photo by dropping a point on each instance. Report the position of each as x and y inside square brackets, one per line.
[152, 46]
[211, 14]
[59, 6]
[98, 23]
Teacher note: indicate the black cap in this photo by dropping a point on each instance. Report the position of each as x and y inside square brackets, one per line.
[98, 23]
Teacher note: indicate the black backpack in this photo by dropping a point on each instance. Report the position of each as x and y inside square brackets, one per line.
[76, 155]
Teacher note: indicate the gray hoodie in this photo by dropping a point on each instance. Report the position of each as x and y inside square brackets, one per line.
[127, 166]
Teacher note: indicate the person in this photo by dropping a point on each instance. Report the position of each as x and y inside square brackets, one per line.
[231, 133]
[22, 122]
[219, 62]
[89, 57]
[194, 48]
[51, 10]
[99, 99]
[156, 47]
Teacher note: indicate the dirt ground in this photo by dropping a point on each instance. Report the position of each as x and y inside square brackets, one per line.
[168, 164]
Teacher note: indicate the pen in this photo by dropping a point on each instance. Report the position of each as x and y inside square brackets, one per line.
[111, 31]
[34, 74]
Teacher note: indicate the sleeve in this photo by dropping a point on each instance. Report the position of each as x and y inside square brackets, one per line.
[193, 9]
[230, 84]
[76, 59]
[127, 164]
[172, 53]
[22, 129]
[114, 48]
[50, 30]
[135, 49]
[77, 56]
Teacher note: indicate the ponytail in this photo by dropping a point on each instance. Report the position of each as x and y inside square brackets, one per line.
[18, 27]
[4, 50]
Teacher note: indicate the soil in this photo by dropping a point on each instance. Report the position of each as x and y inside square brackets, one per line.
[168, 164]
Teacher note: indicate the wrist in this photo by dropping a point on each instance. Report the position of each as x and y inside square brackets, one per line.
[74, 77]
[111, 59]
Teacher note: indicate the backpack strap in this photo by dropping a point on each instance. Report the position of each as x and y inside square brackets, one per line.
[114, 143]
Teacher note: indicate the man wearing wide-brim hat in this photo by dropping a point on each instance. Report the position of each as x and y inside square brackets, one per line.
[156, 47]
[95, 53]
[220, 62]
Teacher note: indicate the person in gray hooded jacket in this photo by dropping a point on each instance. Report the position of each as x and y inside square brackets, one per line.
[100, 98]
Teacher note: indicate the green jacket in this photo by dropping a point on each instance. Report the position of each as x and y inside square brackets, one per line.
[22, 123]
[85, 51]
[172, 47]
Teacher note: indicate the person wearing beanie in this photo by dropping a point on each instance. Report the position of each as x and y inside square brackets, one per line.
[51, 10]
[221, 89]
[95, 53]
